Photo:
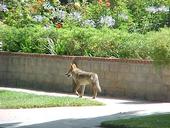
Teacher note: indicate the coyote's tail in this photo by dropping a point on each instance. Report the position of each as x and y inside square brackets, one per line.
[98, 87]
[97, 84]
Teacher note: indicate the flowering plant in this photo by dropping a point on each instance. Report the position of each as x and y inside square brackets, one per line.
[107, 21]
[134, 16]
[106, 1]
[89, 23]
[59, 25]
[76, 16]
[3, 8]
[154, 9]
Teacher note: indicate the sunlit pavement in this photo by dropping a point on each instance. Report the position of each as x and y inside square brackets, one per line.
[77, 117]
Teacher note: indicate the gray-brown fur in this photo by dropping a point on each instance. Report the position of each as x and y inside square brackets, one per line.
[83, 78]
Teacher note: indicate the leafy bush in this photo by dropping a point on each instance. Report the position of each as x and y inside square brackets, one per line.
[17, 14]
[28, 39]
[148, 15]
[87, 42]
[124, 29]
[160, 46]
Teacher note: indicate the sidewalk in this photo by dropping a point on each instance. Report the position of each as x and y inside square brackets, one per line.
[76, 117]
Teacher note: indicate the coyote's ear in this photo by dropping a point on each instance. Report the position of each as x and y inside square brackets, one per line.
[73, 66]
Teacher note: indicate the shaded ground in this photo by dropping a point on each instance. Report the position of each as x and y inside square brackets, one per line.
[77, 117]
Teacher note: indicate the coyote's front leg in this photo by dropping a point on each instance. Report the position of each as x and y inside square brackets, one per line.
[76, 88]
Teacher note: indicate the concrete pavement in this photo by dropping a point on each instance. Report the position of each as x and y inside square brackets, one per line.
[76, 117]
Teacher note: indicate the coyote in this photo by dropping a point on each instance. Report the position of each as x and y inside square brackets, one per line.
[83, 78]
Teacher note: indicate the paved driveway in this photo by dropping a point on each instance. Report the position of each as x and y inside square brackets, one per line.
[76, 117]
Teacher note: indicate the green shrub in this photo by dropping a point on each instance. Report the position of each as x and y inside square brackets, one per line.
[160, 45]
[148, 15]
[18, 13]
[28, 39]
[103, 42]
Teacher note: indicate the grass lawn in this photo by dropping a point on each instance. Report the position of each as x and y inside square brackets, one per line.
[152, 121]
[12, 99]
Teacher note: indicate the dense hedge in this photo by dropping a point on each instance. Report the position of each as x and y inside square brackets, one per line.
[87, 42]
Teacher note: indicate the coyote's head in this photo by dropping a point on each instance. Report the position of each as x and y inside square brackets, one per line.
[69, 73]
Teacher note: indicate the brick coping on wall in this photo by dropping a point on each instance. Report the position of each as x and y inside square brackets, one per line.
[135, 61]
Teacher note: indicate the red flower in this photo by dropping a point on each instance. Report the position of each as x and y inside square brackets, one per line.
[99, 1]
[107, 3]
[59, 25]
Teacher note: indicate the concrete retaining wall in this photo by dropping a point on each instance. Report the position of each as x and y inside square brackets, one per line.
[118, 77]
